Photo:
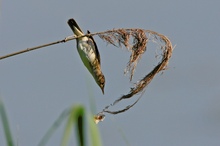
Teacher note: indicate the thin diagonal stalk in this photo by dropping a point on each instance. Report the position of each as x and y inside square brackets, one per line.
[33, 48]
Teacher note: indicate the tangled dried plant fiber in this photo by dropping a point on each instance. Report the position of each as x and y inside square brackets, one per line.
[138, 47]
[119, 37]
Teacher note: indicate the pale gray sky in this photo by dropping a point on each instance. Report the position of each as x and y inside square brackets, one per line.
[180, 107]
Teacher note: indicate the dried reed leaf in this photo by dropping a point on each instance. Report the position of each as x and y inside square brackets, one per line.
[138, 47]
[135, 40]
[121, 37]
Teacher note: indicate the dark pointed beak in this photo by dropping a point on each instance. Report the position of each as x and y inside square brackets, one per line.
[103, 92]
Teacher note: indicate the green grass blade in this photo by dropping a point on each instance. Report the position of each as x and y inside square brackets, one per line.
[54, 127]
[68, 129]
[94, 132]
[80, 126]
[5, 124]
[76, 116]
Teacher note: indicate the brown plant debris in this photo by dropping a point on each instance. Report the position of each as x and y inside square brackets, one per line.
[99, 117]
[135, 40]
[119, 37]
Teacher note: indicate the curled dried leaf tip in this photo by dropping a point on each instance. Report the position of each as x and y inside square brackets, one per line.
[99, 118]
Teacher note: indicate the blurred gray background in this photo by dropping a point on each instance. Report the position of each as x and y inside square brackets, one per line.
[181, 107]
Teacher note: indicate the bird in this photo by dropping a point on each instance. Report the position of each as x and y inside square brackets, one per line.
[89, 53]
